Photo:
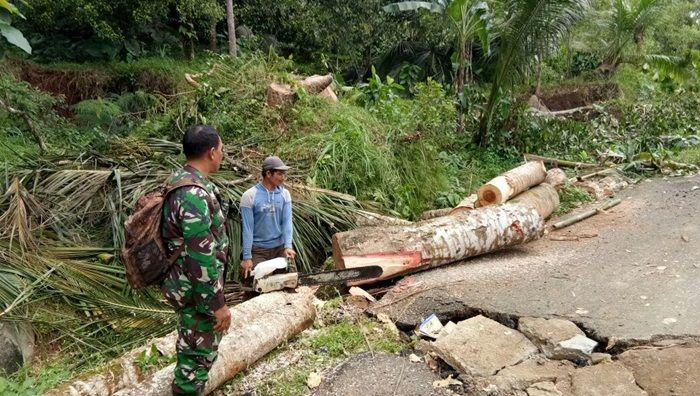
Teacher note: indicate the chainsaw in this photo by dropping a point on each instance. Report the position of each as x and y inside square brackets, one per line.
[265, 281]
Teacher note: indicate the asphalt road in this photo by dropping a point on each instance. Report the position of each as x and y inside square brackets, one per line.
[633, 275]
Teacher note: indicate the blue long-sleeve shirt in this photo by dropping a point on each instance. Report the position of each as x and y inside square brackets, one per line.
[266, 217]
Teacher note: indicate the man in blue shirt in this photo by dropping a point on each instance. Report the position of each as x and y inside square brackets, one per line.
[266, 216]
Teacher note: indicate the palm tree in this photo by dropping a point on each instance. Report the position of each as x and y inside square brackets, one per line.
[468, 19]
[627, 23]
[529, 28]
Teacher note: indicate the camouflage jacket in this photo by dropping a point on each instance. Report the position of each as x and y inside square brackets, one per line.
[196, 218]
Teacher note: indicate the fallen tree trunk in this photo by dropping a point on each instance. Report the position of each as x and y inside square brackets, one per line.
[543, 198]
[511, 183]
[281, 94]
[584, 215]
[259, 325]
[316, 84]
[404, 249]
[119, 373]
[556, 178]
[557, 162]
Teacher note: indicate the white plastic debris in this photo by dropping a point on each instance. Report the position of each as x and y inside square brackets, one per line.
[430, 327]
[267, 267]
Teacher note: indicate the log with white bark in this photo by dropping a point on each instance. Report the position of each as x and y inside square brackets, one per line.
[404, 249]
[258, 326]
[512, 183]
[117, 374]
[329, 94]
[543, 198]
[556, 178]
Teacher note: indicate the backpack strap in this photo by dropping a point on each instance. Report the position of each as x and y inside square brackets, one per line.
[169, 188]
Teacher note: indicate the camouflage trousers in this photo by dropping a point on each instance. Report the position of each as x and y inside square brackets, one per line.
[197, 348]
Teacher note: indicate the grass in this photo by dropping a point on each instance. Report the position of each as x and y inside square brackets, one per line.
[34, 381]
[690, 155]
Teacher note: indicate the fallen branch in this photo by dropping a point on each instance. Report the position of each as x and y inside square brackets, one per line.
[586, 214]
[557, 162]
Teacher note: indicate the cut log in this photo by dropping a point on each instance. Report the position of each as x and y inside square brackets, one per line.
[259, 325]
[543, 198]
[316, 84]
[567, 221]
[118, 374]
[557, 162]
[404, 249]
[512, 183]
[431, 214]
[364, 218]
[467, 204]
[556, 178]
[329, 94]
[279, 95]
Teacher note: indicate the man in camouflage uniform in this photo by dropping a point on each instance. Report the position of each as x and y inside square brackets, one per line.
[196, 218]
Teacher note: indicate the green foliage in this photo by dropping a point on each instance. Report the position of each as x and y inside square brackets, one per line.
[98, 113]
[151, 360]
[12, 34]
[26, 382]
[571, 197]
[690, 155]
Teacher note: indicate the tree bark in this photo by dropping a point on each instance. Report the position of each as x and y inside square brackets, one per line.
[212, 36]
[231, 29]
[512, 183]
[404, 249]
[556, 178]
[316, 84]
[431, 214]
[544, 198]
[259, 325]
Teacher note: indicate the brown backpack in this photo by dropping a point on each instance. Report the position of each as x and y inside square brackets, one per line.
[144, 254]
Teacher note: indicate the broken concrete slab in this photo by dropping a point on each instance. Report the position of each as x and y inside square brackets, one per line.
[588, 282]
[558, 338]
[534, 370]
[670, 371]
[604, 380]
[543, 389]
[480, 346]
[389, 375]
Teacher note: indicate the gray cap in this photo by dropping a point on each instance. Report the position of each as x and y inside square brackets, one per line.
[274, 162]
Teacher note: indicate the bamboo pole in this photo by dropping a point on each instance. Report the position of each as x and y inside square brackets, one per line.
[569, 220]
[558, 162]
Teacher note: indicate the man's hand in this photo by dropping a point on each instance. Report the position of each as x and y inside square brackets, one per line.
[290, 253]
[223, 319]
[246, 267]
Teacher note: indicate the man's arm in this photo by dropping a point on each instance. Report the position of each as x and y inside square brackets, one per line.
[247, 223]
[200, 260]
